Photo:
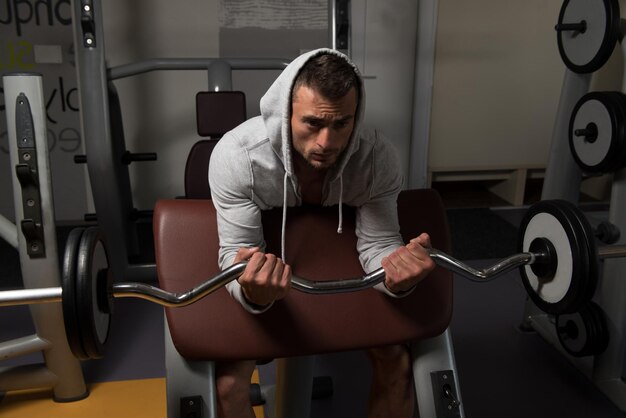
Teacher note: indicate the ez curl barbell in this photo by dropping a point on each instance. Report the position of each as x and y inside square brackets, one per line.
[558, 264]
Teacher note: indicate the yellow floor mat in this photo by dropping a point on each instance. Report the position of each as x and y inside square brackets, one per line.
[130, 398]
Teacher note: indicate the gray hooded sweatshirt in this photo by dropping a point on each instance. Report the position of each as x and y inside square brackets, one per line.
[251, 170]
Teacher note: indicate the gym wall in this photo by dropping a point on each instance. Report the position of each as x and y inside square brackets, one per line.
[159, 108]
[497, 83]
[37, 37]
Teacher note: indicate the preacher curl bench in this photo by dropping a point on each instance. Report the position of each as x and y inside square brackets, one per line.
[218, 328]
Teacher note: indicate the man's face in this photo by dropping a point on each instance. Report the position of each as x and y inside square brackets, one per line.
[321, 128]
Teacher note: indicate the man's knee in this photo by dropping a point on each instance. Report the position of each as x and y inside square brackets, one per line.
[233, 378]
[389, 354]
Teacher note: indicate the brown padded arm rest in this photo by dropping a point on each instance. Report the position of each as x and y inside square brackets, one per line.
[218, 328]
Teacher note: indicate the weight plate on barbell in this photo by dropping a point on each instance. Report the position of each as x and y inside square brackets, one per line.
[586, 49]
[68, 283]
[92, 284]
[569, 284]
[597, 132]
[583, 333]
[590, 281]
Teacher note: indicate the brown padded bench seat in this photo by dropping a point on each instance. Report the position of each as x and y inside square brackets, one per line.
[218, 328]
[217, 112]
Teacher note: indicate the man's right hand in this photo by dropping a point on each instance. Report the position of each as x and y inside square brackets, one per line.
[266, 277]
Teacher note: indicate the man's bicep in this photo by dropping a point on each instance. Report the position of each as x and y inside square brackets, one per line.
[238, 225]
[378, 232]
[238, 216]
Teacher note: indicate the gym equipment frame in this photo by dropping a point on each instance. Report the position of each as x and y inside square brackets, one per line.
[563, 179]
[106, 155]
[36, 242]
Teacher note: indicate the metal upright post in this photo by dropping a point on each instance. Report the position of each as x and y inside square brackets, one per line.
[610, 367]
[608, 371]
[436, 379]
[294, 383]
[109, 178]
[563, 176]
[220, 76]
[37, 243]
[188, 381]
[339, 35]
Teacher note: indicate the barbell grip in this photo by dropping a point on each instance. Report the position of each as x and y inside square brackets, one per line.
[507, 264]
[169, 299]
[338, 286]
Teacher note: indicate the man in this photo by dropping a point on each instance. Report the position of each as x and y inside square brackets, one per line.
[308, 147]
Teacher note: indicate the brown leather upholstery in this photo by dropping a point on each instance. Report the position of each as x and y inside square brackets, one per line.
[217, 328]
[197, 170]
[216, 114]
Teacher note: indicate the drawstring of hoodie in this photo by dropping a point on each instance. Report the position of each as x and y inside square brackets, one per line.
[284, 222]
[340, 227]
[282, 232]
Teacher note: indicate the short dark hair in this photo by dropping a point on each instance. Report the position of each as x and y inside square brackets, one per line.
[329, 74]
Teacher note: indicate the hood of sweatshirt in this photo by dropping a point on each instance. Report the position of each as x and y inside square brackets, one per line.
[276, 112]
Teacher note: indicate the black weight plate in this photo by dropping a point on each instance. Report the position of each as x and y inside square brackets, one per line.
[92, 267]
[587, 235]
[621, 149]
[583, 333]
[605, 111]
[572, 331]
[555, 221]
[588, 275]
[585, 267]
[609, 151]
[68, 283]
[601, 342]
[588, 51]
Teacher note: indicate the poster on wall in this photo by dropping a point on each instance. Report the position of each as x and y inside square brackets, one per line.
[250, 28]
[36, 37]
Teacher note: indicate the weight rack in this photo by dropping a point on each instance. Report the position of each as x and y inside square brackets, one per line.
[584, 55]
[36, 241]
